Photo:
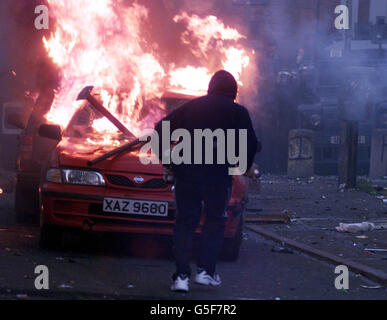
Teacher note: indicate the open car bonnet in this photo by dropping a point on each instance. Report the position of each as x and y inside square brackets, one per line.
[77, 152]
[81, 144]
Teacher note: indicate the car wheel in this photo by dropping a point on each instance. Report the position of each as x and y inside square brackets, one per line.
[50, 237]
[231, 246]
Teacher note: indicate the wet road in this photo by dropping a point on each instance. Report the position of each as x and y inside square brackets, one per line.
[121, 267]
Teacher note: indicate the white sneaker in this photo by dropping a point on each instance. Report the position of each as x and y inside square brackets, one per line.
[202, 277]
[181, 284]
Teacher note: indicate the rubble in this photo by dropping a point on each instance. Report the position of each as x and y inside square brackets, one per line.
[268, 218]
[355, 227]
[65, 286]
[375, 250]
[371, 287]
[282, 250]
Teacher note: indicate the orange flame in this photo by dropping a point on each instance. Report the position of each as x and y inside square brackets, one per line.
[99, 43]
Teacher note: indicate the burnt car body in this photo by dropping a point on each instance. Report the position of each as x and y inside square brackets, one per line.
[33, 151]
[118, 194]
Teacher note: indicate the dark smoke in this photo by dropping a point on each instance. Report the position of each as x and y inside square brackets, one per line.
[21, 51]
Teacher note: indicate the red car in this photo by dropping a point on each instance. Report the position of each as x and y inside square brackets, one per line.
[118, 194]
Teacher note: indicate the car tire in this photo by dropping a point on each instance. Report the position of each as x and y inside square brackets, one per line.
[50, 237]
[232, 246]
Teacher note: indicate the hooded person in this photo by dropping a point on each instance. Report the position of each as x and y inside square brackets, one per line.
[202, 182]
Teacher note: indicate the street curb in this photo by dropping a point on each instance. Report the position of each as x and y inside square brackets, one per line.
[368, 272]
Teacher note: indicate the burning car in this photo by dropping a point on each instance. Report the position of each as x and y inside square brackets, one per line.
[96, 182]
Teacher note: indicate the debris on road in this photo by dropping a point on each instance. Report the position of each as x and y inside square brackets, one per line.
[70, 260]
[384, 199]
[355, 227]
[269, 218]
[18, 253]
[371, 287]
[375, 250]
[254, 210]
[65, 286]
[380, 226]
[282, 250]
[342, 187]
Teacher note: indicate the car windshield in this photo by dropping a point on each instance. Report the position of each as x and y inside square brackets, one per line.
[90, 124]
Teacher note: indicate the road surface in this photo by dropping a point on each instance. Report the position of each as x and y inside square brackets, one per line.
[122, 267]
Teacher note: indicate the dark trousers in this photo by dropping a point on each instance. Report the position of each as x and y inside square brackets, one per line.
[191, 197]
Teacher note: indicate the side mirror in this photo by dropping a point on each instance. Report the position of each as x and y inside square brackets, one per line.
[50, 131]
[17, 120]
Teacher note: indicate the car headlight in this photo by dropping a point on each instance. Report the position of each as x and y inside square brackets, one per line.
[54, 175]
[70, 176]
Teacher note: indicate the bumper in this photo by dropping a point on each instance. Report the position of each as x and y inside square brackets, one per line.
[82, 208]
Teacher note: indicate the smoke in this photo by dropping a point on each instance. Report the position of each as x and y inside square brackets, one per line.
[22, 50]
[25, 66]
[166, 34]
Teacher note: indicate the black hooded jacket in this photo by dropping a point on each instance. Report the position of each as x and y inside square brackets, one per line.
[216, 110]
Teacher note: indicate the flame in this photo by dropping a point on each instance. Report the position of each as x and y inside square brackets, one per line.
[94, 44]
[206, 30]
[190, 80]
[211, 35]
[236, 60]
[100, 43]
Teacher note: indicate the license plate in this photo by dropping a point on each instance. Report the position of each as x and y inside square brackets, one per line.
[140, 207]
